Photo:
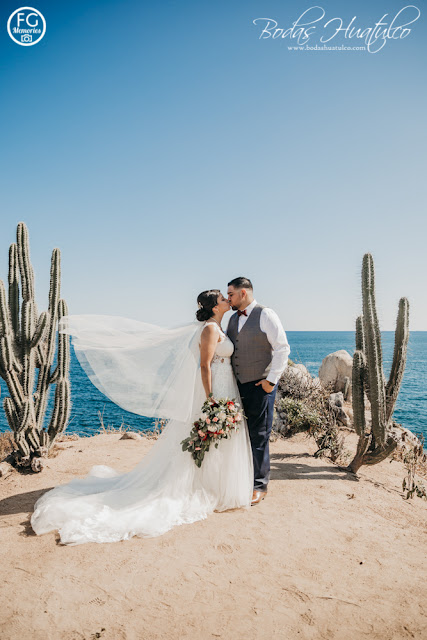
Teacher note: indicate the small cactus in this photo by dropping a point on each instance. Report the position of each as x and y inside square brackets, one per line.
[27, 344]
[376, 443]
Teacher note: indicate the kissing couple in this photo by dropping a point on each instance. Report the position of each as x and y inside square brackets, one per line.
[169, 373]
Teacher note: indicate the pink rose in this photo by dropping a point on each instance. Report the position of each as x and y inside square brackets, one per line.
[208, 421]
[215, 419]
[197, 449]
[201, 433]
[221, 431]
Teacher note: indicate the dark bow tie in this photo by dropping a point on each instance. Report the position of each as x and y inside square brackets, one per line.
[241, 313]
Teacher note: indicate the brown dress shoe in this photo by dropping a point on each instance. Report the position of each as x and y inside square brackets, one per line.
[258, 496]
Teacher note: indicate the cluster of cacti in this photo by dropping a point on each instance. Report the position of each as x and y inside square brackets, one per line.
[27, 344]
[376, 441]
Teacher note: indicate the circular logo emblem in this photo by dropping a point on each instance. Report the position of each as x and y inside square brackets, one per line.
[26, 26]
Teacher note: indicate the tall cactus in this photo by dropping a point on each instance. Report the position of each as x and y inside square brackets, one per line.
[376, 443]
[27, 344]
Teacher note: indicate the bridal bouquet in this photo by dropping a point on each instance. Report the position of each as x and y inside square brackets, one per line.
[218, 419]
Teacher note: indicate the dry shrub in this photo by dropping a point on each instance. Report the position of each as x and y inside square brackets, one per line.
[302, 405]
[415, 460]
[151, 434]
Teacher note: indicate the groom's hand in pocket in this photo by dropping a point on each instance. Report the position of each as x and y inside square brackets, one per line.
[265, 385]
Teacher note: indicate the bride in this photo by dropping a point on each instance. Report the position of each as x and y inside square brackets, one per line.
[165, 373]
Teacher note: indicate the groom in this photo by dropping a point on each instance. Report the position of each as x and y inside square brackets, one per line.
[260, 356]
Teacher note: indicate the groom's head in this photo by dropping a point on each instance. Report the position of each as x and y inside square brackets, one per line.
[240, 293]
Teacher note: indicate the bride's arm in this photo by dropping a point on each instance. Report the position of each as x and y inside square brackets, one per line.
[208, 342]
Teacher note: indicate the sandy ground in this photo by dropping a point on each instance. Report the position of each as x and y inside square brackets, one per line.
[323, 556]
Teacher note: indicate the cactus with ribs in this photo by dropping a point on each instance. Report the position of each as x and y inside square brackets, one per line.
[27, 353]
[376, 442]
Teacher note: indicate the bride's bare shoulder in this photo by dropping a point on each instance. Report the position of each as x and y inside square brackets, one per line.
[210, 328]
[210, 331]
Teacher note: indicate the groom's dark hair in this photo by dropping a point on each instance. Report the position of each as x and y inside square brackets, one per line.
[241, 283]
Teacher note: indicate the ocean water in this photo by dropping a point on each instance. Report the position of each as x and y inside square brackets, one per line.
[307, 347]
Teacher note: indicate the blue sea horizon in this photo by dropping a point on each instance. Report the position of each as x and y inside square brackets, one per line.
[307, 347]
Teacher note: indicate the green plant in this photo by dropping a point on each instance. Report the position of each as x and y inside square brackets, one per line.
[312, 415]
[27, 344]
[376, 441]
[292, 416]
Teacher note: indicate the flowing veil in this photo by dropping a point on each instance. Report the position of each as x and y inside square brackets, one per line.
[143, 368]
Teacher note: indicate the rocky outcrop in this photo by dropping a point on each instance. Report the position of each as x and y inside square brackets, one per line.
[131, 435]
[336, 402]
[297, 381]
[6, 469]
[335, 372]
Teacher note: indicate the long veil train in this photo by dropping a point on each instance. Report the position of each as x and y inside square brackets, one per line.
[145, 369]
[151, 371]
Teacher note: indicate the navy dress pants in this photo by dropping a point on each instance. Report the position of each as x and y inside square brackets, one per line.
[258, 408]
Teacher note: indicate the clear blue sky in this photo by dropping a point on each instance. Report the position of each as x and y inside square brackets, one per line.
[166, 149]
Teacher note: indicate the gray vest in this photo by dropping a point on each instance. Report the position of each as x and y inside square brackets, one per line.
[252, 355]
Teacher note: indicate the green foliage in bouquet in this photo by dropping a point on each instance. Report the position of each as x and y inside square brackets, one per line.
[218, 419]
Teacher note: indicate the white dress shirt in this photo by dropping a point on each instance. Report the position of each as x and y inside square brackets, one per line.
[270, 324]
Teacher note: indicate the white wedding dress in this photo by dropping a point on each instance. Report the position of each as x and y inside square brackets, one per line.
[165, 489]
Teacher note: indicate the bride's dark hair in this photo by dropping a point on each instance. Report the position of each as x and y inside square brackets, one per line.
[206, 300]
